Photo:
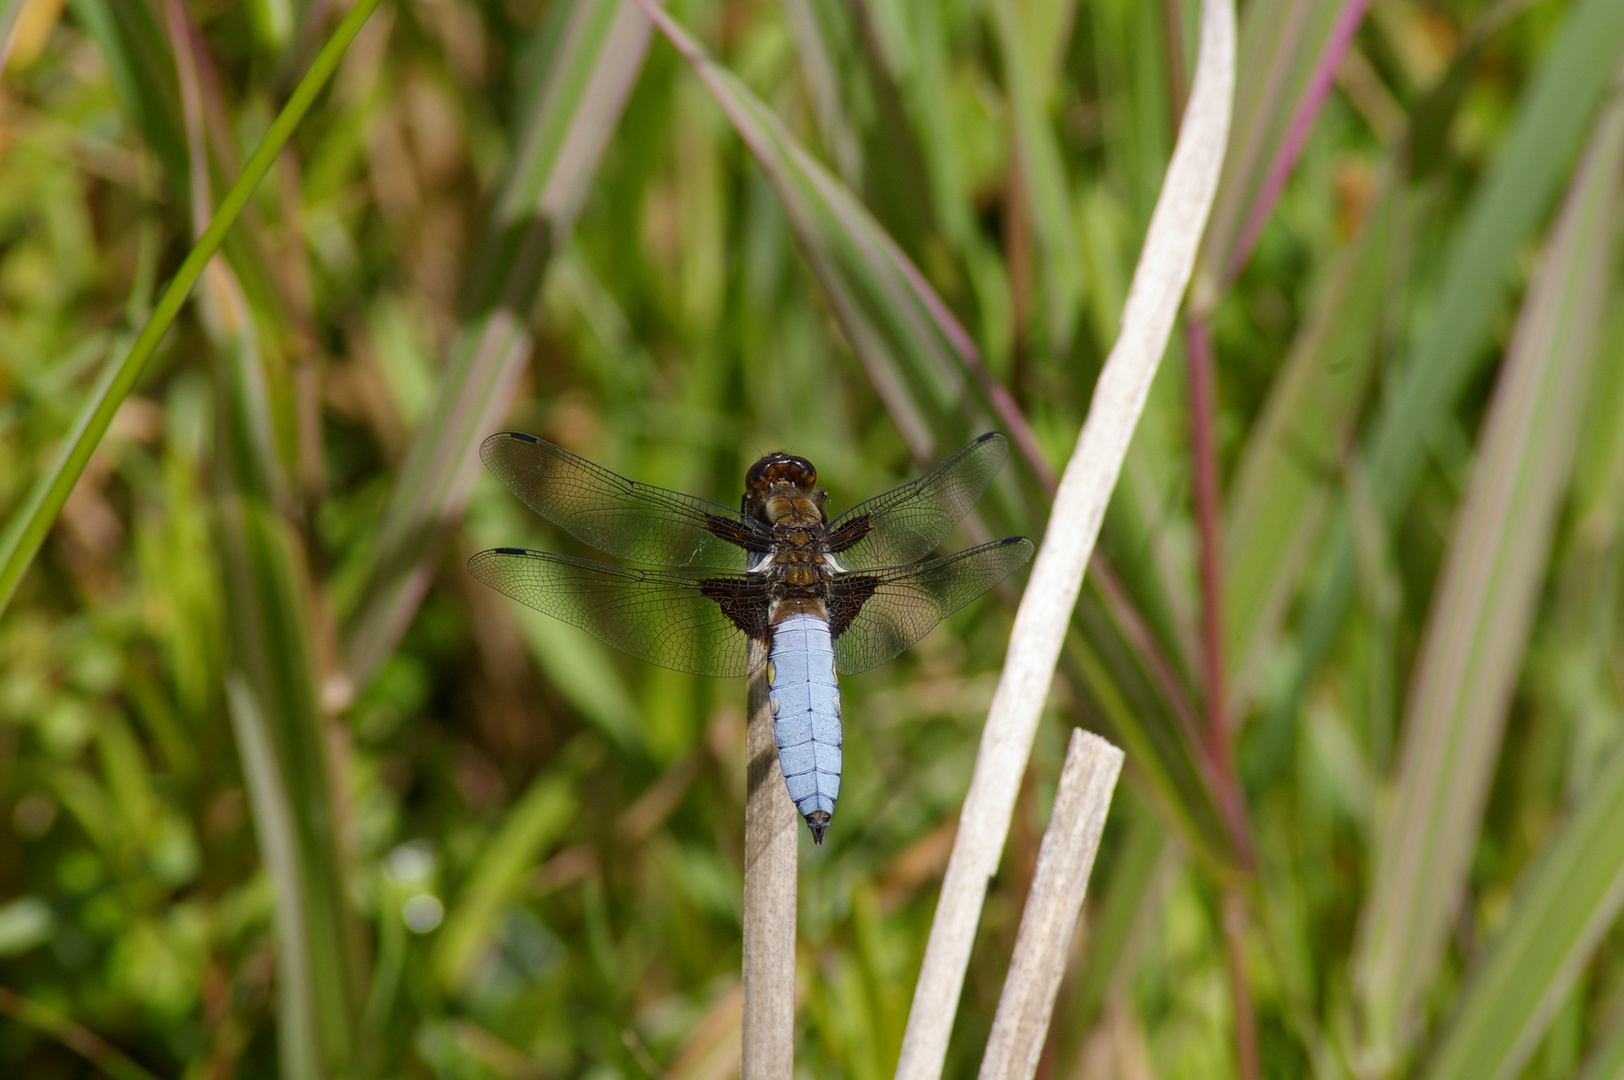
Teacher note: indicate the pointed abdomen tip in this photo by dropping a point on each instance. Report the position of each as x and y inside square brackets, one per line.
[818, 822]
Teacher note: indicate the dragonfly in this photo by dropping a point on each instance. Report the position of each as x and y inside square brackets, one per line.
[816, 596]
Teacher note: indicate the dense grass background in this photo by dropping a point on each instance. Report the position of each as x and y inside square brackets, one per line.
[286, 792]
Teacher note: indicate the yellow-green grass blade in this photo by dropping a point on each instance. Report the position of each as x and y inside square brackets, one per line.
[1294, 451]
[281, 733]
[1132, 700]
[849, 56]
[1544, 138]
[1289, 52]
[1026, 35]
[10, 12]
[137, 43]
[76, 1037]
[1483, 607]
[910, 347]
[172, 98]
[282, 741]
[1606, 1059]
[534, 824]
[1570, 898]
[139, 64]
[32, 520]
[822, 33]
[910, 43]
[579, 107]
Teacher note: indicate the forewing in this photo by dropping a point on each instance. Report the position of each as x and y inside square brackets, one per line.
[618, 516]
[687, 620]
[908, 522]
[876, 614]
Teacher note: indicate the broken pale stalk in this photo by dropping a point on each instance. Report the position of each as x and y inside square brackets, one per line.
[1040, 625]
[1065, 861]
[770, 835]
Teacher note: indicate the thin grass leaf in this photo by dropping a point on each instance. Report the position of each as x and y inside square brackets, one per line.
[1478, 625]
[297, 1039]
[883, 304]
[815, 27]
[579, 107]
[1029, 51]
[910, 44]
[1113, 661]
[1289, 54]
[1294, 451]
[1140, 854]
[133, 42]
[282, 741]
[1606, 1060]
[1545, 136]
[534, 824]
[10, 13]
[1570, 898]
[76, 1037]
[30, 522]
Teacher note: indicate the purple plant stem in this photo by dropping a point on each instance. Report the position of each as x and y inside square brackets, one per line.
[1204, 449]
[1302, 122]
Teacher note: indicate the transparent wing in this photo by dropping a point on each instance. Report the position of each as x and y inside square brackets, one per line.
[619, 516]
[689, 621]
[908, 522]
[876, 614]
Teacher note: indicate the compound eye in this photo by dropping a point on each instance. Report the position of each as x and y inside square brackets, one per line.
[793, 470]
[757, 478]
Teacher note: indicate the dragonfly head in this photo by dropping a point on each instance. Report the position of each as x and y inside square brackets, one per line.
[781, 485]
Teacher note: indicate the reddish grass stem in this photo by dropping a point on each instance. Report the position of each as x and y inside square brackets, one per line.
[1204, 453]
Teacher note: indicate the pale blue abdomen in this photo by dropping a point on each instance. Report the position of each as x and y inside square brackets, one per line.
[806, 716]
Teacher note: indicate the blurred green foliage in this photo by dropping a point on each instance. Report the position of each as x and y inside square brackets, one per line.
[283, 791]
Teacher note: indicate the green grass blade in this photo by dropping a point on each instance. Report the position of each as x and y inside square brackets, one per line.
[1027, 46]
[1571, 897]
[1293, 454]
[1288, 49]
[1606, 1061]
[282, 741]
[9, 13]
[29, 524]
[580, 106]
[1483, 607]
[281, 733]
[298, 1044]
[1544, 138]
[532, 826]
[82, 1041]
[133, 42]
[912, 350]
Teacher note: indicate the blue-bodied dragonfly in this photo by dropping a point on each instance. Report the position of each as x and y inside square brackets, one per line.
[821, 595]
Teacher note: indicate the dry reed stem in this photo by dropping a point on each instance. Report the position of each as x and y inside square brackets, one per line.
[1065, 860]
[1040, 624]
[770, 834]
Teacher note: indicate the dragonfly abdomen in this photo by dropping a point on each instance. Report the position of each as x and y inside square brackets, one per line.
[806, 716]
